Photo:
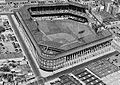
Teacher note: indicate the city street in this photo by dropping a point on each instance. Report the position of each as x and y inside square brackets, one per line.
[28, 55]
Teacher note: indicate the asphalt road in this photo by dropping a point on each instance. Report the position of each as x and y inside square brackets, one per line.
[28, 55]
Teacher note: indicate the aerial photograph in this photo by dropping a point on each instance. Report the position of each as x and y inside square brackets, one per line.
[59, 42]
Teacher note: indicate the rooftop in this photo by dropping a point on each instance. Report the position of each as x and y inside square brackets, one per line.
[16, 1]
[105, 14]
[9, 46]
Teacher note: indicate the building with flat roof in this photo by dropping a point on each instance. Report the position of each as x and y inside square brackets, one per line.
[7, 1]
[2, 1]
[16, 1]
[62, 36]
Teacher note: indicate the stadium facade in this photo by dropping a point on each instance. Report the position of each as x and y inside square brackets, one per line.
[52, 57]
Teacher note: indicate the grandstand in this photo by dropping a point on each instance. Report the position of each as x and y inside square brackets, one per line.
[63, 42]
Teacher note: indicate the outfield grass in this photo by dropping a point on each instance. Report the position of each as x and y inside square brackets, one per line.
[62, 32]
